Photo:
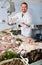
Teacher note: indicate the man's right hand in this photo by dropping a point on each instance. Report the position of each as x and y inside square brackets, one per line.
[22, 25]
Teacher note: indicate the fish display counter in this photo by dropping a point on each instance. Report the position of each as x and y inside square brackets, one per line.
[26, 47]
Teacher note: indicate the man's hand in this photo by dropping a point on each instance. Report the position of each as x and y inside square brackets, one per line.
[10, 21]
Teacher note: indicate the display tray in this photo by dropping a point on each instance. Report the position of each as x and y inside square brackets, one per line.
[34, 55]
[15, 61]
[18, 62]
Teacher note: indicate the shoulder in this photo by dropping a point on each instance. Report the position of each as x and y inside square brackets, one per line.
[29, 14]
[17, 15]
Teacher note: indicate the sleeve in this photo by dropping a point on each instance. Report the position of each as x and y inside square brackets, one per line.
[13, 19]
[29, 20]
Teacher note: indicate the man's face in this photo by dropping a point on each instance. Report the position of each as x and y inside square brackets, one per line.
[24, 8]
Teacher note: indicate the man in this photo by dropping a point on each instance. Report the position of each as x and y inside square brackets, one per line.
[25, 20]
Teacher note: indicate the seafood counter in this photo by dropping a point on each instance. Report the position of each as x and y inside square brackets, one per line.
[25, 47]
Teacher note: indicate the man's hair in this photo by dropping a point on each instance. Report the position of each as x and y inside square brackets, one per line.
[25, 4]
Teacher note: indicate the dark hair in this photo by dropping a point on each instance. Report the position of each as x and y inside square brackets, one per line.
[25, 4]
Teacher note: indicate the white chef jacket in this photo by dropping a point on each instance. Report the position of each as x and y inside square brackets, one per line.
[27, 19]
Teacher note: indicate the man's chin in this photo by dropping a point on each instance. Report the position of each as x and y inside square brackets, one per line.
[24, 11]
